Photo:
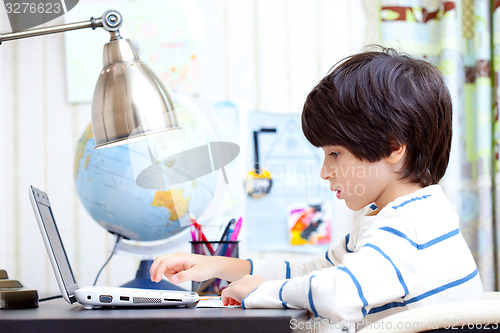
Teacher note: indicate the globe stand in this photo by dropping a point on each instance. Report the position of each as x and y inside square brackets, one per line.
[142, 279]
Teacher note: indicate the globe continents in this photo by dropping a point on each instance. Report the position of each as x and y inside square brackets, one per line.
[105, 181]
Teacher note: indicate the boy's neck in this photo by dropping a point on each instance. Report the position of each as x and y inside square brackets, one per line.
[395, 191]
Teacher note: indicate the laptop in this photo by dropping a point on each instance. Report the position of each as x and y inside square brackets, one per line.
[95, 296]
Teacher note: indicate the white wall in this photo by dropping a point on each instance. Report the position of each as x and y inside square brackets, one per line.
[250, 55]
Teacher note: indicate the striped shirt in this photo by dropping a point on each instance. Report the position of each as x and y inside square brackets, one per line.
[411, 254]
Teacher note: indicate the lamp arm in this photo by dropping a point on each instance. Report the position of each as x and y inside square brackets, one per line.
[111, 21]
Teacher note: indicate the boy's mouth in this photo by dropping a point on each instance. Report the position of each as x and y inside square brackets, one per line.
[337, 194]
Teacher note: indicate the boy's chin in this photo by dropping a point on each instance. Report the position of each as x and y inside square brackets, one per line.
[355, 206]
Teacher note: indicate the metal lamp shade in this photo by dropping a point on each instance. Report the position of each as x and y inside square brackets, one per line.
[129, 102]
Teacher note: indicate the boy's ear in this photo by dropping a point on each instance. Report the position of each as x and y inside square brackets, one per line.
[397, 155]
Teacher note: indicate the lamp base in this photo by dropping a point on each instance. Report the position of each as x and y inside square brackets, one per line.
[14, 296]
[142, 279]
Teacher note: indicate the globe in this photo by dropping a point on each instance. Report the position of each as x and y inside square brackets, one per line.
[105, 180]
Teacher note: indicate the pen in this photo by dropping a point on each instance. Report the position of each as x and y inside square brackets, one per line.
[209, 298]
[224, 237]
[226, 230]
[236, 230]
[229, 233]
[201, 234]
[198, 228]
[193, 233]
[231, 236]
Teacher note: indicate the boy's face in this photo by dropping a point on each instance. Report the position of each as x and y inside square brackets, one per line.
[357, 182]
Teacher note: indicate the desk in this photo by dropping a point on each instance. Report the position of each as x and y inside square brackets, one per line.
[58, 316]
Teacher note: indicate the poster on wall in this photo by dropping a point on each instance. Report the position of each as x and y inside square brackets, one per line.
[309, 223]
[298, 201]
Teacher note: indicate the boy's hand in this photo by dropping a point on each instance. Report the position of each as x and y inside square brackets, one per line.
[180, 267]
[240, 289]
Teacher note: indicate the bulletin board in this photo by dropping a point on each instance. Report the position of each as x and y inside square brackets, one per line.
[294, 165]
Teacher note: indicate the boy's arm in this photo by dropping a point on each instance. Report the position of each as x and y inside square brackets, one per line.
[180, 267]
[277, 270]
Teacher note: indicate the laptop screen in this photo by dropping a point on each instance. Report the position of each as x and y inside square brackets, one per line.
[53, 243]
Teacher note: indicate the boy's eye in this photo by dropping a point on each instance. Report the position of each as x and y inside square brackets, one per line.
[334, 154]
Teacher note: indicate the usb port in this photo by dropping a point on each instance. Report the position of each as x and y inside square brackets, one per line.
[172, 300]
[124, 298]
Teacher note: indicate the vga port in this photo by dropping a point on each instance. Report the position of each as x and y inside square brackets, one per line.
[105, 298]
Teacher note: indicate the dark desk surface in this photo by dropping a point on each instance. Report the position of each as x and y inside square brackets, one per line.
[59, 316]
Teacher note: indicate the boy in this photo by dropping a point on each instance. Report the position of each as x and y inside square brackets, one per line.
[384, 123]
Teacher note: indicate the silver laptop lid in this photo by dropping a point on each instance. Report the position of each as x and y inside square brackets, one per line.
[53, 244]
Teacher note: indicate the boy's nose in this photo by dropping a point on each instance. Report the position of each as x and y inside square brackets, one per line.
[324, 172]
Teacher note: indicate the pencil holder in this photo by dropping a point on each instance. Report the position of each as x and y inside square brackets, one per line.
[227, 249]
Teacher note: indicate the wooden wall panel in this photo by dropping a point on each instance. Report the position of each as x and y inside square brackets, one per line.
[7, 115]
[240, 51]
[272, 55]
[213, 55]
[31, 135]
[302, 23]
[59, 146]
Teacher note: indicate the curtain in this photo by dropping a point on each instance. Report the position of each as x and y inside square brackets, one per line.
[460, 38]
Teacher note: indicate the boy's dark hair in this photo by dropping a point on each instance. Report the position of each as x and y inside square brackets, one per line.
[373, 102]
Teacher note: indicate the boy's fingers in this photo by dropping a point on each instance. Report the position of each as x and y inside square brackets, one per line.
[225, 300]
[162, 267]
[178, 278]
[155, 270]
[178, 268]
[227, 295]
[167, 265]
[154, 265]
[192, 274]
[156, 273]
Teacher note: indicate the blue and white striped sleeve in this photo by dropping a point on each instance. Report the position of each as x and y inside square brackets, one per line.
[285, 269]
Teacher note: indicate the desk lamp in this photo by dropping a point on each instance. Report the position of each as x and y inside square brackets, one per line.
[129, 102]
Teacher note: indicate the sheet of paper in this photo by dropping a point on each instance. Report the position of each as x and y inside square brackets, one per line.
[213, 302]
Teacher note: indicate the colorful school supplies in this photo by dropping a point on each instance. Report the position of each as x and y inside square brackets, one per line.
[230, 234]
[236, 231]
[226, 230]
[227, 246]
[201, 235]
[193, 233]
